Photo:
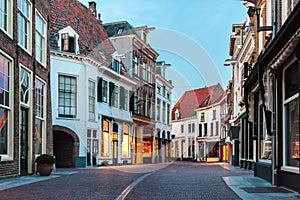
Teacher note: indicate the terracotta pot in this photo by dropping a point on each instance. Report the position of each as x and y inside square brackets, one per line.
[44, 169]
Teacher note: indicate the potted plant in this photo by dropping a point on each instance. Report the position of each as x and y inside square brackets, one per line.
[45, 164]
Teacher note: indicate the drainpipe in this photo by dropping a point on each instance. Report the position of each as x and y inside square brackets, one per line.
[274, 19]
[274, 113]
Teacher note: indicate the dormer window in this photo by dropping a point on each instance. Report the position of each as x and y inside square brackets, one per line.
[116, 66]
[120, 31]
[68, 43]
[68, 40]
[177, 114]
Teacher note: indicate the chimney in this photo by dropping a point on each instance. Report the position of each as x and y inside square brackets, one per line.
[92, 7]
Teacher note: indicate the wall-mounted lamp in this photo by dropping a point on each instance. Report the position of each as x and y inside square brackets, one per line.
[229, 62]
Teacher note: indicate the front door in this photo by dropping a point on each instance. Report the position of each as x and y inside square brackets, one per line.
[24, 141]
[115, 152]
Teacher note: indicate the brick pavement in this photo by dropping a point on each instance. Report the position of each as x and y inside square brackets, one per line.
[185, 180]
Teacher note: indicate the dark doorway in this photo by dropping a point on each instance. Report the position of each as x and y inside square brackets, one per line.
[63, 149]
[24, 141]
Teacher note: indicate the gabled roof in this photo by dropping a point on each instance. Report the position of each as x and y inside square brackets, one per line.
[93, 40]
[119, 28]
[197, 98]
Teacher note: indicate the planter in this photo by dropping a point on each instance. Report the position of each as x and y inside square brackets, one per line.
[45, 169]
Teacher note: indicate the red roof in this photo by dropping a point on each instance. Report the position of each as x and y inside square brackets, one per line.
[197, 98]
[93, 40]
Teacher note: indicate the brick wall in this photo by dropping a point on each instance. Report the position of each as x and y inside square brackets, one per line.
[10, 47]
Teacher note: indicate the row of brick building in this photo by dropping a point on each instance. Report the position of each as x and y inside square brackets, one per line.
[89, 93]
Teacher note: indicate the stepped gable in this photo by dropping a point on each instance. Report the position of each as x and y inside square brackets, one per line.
[93, 40]
[198, 98]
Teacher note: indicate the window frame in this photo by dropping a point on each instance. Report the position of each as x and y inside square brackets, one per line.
[44, 36]
[28, 26]
[10, 125]
[92, 100]
[39, 135]
[8, 20]
[75, 93]
[286, 100]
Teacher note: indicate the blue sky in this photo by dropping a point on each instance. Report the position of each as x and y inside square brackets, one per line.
[191, 35]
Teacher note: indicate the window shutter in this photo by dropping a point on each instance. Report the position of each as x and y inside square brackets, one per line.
[122, 100]
[131, 102]
[99, 90]
[111, 93]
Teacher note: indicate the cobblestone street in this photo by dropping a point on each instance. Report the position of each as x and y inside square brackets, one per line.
[180, 180]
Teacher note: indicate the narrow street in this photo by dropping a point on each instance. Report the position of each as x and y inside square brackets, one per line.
[179, 180]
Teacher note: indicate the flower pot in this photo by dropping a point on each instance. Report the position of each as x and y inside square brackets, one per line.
[44, 169]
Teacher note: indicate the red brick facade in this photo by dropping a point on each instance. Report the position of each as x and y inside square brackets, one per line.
[19, 56]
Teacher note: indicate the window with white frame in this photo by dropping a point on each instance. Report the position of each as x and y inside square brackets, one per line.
[168, 114]
[67, 96]
[144, 72]
[217, 128]
[182, 128]
[92, 99]
[149, 74]
[158, 110]
[291, 116]
[193, 128]
[211, 129]
[104, 91]
[190, 128]
[24, 23]
[41, 38]
[6, 136]
[126, 99]
[135, 65]
[39, 115]
[164, 112]
[214, 114]
[6, 16]
[25, 83]
[116, 96]
[265, 141]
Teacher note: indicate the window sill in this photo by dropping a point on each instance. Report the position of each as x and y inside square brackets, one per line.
[291, 169]
[6, 158]
[68, 118]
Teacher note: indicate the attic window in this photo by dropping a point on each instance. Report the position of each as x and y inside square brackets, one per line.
[120, 30]
[116, 66]
[177, 114]
[68, 40]
[68, 43]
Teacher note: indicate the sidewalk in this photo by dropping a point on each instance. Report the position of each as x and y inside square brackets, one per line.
[23, 180]
[247, 186]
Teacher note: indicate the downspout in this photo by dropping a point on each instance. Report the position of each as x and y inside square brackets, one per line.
[274, 113]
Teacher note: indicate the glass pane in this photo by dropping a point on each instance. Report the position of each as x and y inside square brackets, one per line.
[293, 135]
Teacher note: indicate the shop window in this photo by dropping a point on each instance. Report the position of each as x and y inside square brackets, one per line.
[265, 141]
[291, 116]
[125, 142]
[105, 139]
